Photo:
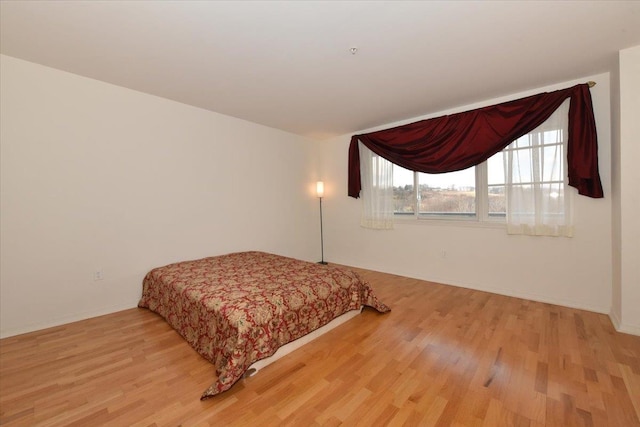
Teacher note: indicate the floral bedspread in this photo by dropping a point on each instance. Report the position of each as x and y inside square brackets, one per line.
[239, 308]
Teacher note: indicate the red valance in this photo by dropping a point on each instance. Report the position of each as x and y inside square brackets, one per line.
[458, 141]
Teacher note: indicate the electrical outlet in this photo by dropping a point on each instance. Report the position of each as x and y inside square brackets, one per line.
[98, 275]
[443, 254]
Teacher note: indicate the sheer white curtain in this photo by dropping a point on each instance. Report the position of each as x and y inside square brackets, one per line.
[376, 175]
[537, 197]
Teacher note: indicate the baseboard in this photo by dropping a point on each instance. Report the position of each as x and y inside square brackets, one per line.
[629, 329]
[523, 295]
[615, 319]
[618, 325]
[535, 297]
[502, 291]
[75, 317]
[621, 327]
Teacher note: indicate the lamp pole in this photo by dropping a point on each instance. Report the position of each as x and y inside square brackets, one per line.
[320, 193]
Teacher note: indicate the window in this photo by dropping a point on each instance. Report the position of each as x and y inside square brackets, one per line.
[531, 169]
[404, 196]
[450, 195]
[535, 183]
[447, 195]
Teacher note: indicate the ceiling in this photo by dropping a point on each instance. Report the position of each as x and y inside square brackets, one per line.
[289, 65]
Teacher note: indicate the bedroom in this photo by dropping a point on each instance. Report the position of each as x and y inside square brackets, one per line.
[98, 177]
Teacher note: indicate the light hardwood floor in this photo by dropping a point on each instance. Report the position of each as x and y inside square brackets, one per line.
[444, 356]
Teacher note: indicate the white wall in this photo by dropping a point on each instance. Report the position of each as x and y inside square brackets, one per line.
[616, 233]
[95, 176]
[629, 256]
[574, 271]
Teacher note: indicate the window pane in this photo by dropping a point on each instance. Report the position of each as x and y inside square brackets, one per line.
[548, 198]
[497, 202]
[404, 199]
[496, 188]
[522, 165]
[495, 169]
[522, 142]
[553, 198]
[522, 200]
[451, 194]
[552, 162]
[552, 137]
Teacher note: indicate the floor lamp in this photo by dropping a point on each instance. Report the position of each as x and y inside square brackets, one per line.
[320, 194]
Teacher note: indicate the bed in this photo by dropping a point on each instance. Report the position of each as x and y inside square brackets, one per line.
[240, 308]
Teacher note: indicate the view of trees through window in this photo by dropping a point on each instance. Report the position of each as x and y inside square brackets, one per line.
[450, 194]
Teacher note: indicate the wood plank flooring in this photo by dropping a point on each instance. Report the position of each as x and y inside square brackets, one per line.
[444, 356]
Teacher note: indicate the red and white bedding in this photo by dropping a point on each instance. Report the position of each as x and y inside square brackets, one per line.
[239, 308]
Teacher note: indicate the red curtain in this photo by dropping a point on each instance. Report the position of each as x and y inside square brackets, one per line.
[458, 141]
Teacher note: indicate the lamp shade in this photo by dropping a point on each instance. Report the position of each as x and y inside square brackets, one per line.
[320, 189]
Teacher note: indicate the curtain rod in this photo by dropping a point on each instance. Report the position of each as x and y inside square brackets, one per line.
[591, 83]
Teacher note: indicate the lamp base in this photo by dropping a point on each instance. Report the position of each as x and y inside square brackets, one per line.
[323, 262]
